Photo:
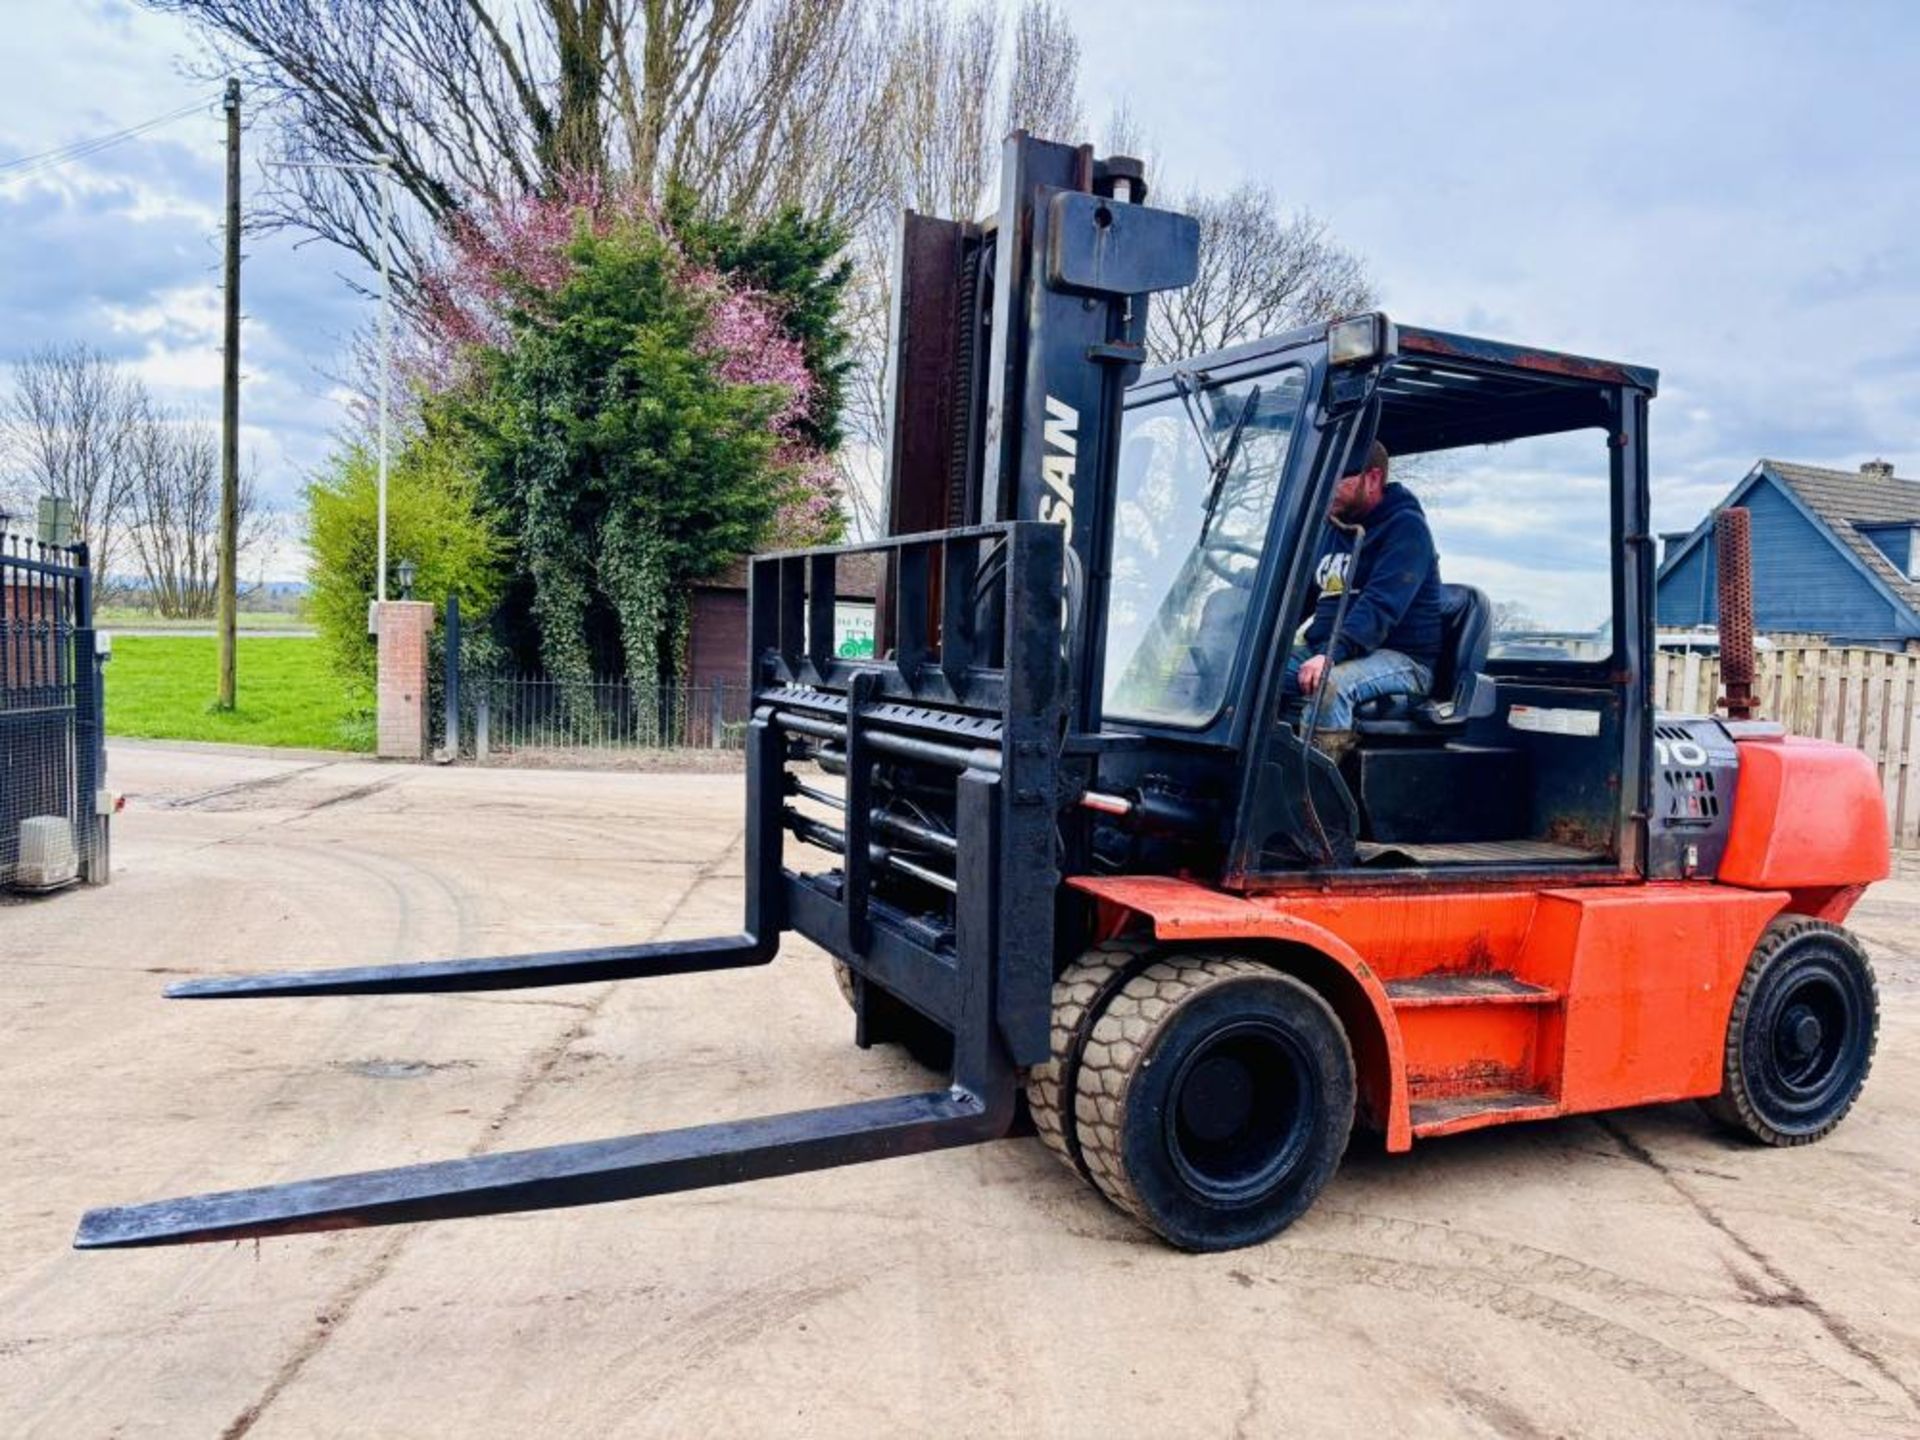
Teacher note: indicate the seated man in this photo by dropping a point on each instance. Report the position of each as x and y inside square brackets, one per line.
[1390, 635]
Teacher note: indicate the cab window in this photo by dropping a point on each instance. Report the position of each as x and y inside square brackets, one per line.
[1199, 474]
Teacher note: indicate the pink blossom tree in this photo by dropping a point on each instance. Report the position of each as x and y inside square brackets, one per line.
[506, 253]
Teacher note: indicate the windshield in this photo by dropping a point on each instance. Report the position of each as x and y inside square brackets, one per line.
[1196, 491]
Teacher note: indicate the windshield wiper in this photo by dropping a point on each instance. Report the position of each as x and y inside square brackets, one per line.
[1223, 461]
[1183, 381]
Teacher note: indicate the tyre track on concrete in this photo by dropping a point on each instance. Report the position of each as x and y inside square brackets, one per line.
[1720, 1402]
[189, 1278]
[274, 819]
[203, 799]
[1788, 1292]
[1713, 1397]
[712, 1331]
[392, 876]
[1722, 1347]
[1442, 1263]
[338, 1310]
[1694, 1321]
[1730, 1340]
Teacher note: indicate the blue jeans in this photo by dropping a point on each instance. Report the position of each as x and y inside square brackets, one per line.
[1346, 685]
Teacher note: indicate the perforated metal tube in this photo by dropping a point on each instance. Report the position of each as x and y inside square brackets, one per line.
[1733, 548]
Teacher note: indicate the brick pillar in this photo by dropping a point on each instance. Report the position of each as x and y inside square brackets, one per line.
[401, 704]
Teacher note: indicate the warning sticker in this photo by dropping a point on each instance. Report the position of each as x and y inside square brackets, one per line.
[1553, 722]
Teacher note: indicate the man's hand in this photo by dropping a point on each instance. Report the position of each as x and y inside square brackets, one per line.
[1310, 673]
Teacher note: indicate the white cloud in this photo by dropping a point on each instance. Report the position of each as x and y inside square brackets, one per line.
[171, 371]
[188, 310]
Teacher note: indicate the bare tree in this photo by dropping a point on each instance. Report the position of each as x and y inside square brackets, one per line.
[945, 65]
[1124, 135]
[1510, 616]
[1259, 274]
[1043, 86]
[943, 69]
[753, 103]
[68, 429]
[174, 514]
[793, 115]
[956, 85]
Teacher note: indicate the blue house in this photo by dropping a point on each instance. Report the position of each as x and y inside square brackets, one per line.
[1835, 554]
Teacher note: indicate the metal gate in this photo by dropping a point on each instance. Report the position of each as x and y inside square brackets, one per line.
[52, 739]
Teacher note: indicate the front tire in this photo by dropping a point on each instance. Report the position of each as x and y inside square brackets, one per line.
[1801, 1037]
[1079, 995]
[1214, 1099]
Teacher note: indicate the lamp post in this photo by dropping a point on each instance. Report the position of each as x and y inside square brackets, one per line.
[383, 167]
[407, 572]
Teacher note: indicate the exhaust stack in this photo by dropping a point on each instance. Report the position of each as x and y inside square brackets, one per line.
[1733, 552]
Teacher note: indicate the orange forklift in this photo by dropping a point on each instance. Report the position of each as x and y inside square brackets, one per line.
[1082, 859]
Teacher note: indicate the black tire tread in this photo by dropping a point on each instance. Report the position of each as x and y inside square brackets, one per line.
[1077, 995]
[1733, 1107]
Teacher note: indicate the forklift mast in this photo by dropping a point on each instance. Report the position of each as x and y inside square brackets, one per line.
[1013, 343]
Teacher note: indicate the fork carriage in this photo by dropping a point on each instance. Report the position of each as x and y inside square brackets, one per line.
[951, 755]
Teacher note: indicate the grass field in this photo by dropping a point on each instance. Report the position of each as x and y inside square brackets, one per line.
[122, 618]
[160, 687]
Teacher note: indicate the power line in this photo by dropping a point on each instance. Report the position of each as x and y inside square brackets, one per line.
[27, 165]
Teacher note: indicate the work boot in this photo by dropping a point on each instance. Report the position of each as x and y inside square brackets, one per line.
[1336, 745]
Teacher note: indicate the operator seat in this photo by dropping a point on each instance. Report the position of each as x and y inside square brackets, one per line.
[1460, 692]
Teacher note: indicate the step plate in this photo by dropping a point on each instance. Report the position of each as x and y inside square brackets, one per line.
[1452, 1114]
[1454, 989]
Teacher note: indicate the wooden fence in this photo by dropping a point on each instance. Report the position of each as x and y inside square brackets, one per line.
[1866, 698]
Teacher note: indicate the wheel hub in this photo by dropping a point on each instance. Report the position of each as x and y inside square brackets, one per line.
[1217, 1099]
[1803, 1032]
[1811, 1022]
[1242, 1112]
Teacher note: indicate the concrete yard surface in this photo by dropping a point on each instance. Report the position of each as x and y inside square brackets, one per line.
[1632, 1275]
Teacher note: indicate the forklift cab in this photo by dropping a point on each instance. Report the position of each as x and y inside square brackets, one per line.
[1531, 750]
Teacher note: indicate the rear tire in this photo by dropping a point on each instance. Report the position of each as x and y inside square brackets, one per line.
[1214, 1099]
[1801, 1037]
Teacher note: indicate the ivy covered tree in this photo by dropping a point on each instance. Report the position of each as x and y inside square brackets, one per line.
[637, 417]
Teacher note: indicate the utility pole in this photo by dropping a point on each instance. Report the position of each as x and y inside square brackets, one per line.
[230, 411]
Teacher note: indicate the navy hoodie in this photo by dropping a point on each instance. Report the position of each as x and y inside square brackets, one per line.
[1396, 587]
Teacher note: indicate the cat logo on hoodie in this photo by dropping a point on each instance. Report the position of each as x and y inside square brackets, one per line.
[1332, 571]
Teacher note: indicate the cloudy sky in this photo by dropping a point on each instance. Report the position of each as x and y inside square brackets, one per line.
[121, 249]
[1727, 191]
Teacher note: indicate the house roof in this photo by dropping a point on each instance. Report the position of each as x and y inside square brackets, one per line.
[1839, 502]
[1843, 499]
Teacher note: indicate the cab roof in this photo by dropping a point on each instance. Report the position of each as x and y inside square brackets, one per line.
[1443, 390]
